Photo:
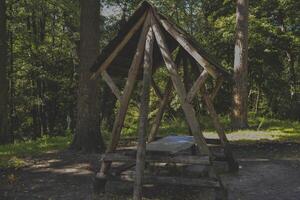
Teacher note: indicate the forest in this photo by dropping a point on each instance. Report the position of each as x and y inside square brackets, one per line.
[48, 100]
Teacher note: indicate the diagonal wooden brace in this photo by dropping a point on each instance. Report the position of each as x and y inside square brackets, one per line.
[197, 85]
[179, 87]
[120, 117]
[114, 88]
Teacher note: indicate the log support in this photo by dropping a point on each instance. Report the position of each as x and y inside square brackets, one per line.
[159, 115]
[143, 123]
[179, 87]
[120, 117]
[233, 165]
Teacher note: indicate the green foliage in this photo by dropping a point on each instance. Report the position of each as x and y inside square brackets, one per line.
[43, 67]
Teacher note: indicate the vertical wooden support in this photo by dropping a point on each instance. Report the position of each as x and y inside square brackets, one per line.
[179, 87]
[120, 117]
[143, 123]
[159, 115]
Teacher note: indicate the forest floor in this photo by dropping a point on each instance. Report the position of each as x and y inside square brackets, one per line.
[268, 170]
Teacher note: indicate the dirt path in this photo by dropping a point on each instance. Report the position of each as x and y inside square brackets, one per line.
[268, 171]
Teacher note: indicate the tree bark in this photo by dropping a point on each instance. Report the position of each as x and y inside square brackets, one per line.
[240, 91]
[87, 134]
[4, 100]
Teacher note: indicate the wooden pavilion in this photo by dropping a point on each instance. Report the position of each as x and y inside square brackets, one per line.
[145, 43]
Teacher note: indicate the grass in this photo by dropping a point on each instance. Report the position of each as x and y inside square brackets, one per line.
[261, 129]
[13, 155]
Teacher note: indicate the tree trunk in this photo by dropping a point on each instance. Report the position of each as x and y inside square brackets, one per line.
[87, 135]
[4, 135]
[240, 91]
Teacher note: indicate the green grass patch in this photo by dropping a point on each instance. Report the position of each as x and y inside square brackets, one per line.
[12, 155]
[260, 129]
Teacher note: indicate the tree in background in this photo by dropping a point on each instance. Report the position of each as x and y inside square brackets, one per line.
[240, 91]
[4, 135]
[87, 134]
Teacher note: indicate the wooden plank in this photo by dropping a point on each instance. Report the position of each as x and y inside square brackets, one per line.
[152, 158]
[157, 137]
[197, 85]
[111, 85]
[132, 75]
[121, 168]
[163, 180]
[144, 111]
[120, 46]
[179, 87]
[180, 38]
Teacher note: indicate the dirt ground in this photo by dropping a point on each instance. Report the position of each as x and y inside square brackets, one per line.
[267, 171]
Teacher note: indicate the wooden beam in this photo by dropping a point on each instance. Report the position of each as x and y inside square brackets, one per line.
[217, 88]
[179, 87]
[120, 46]
[197, 85]
[214, 116]
[163, 180]
[144, 111]
[156, 89]
[183, 159]
[164, 101]
[180, 38]
[233, 165]
[111, 85]
[132, 75]
[159, 115]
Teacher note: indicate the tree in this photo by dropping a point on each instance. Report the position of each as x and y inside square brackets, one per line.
[4, 136]
[240, 92]
[87, 135]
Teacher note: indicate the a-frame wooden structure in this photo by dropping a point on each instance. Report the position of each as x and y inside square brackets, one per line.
[146, 42]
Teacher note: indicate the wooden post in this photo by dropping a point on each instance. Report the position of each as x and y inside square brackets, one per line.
[120, 117]
[144, 110]
[111, 85]
[159, 115]
[179, 87]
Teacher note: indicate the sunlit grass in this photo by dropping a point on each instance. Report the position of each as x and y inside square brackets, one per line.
[260, 129]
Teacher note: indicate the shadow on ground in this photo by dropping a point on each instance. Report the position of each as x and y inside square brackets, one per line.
[268, 171]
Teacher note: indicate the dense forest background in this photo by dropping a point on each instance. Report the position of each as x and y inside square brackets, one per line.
[43, 43]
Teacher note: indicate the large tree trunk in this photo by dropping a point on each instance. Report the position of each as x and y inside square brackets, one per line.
[4, 135]
[87, 135]
[240, 91]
